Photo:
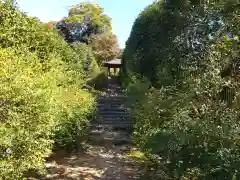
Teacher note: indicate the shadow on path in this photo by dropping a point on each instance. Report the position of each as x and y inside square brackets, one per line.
[107, 146]
[98, 163]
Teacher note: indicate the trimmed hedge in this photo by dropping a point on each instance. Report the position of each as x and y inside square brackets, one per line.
[42, 102]
[184, 101]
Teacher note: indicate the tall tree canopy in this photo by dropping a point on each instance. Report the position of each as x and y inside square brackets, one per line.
[105, 46]
[84, 20]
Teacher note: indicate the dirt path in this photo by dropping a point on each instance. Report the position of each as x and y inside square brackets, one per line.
[107, 146]
[98, 163]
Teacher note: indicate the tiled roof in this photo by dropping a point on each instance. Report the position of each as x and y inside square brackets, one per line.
[115, 61]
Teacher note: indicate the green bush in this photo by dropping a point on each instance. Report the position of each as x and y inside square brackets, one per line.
[77, 108]
[26, 119]
[94, 76]
[87, 62]
[186, 110]
[99, 80]
[42, 102]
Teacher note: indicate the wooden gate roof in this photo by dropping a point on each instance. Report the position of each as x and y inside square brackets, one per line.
[113, 63]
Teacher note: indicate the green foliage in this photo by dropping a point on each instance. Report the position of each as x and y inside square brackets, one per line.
[84, 11]
[188, 115]
[105, 47]
[87, 23]
[95, 78]
[42, 102]
[76, 110]
[25, 120]
[99, 80]
[84, 19]
[87, 60]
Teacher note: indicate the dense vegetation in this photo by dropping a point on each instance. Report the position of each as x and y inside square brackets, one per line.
[105, 46]
[83, 20]
[181, 68]
[87, 23]
[42, 99]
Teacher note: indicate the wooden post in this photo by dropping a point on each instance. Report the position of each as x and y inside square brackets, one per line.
[107, 71]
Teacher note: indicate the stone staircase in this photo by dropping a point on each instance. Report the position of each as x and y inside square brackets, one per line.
[106, 149]
[111, 125]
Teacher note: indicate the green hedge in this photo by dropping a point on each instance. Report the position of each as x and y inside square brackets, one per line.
[88, 62]
[41, 96]
[185, 106]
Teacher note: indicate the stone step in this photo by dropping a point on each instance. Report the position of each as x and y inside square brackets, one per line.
[115, 104]
[113, 96]
[121, 96]
[108, 133]
[107, 109]
[113, 87]
[112, 118]
[108, 140]
[113, 114]
[112, 127]
[110, 105]
[111, 102]
[106, 128]
[115, 124]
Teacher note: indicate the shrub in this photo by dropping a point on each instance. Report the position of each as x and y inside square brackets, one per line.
[19, 31]
[188, 117]
[77, 109]
[86, 59]
[26, 119]
[36, 112]
[99, 80]
[94, 76]
[41, 96]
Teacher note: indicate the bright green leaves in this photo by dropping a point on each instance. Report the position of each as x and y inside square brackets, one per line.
[41, 98]
[92, 12]
[84, 20]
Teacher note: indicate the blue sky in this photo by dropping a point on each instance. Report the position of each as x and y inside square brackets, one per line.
[122, 12]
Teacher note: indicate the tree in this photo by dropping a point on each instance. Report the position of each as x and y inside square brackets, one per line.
[84, 20]
[120, 54]
[65, 31]
[105, 46]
